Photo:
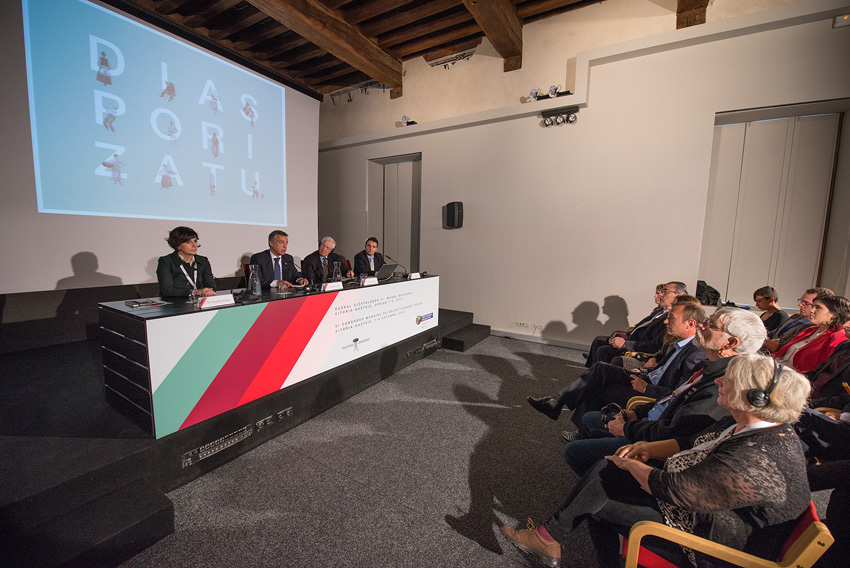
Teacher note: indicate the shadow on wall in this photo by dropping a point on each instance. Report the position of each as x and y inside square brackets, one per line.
[587, 325]
[70, 312]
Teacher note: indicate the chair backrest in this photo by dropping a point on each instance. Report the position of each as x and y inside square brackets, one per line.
[347, 264]
[806, 544]
[246, 272]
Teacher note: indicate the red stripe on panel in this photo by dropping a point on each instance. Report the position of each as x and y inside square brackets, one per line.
[282, 359]
[235, 376]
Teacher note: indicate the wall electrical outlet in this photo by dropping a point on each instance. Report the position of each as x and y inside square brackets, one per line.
[522, 324]
[537, 326]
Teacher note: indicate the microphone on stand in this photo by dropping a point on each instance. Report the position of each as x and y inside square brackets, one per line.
[397, 262]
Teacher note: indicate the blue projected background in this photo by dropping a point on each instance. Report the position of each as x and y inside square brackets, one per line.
[129, 122]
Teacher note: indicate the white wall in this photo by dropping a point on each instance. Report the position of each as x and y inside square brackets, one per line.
[611, 205]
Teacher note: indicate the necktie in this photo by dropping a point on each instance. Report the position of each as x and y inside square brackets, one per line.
[277, 268]
[325, 267]
[372, 263]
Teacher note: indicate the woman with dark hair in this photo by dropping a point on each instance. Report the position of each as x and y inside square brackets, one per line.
[772, 315]
[742, 482]
[184, 272]
[814, 345]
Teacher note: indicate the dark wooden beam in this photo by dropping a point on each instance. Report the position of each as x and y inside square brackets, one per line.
[451, 49]
[499, 22]
[418, 47]
[400, 19]
[433, 27]
[532, 11]
[200, 16]
[690, 13]
[363, 12]
[326, 29]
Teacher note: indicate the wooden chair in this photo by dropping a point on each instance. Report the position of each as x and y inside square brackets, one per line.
[806, 544]
[637, 401]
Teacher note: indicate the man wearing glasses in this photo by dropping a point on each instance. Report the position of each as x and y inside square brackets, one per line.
[797, 322]
[645, 337]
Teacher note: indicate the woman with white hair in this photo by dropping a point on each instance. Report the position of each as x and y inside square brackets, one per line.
[741, 483]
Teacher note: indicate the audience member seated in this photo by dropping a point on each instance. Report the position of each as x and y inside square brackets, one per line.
[318, 266]
[814, 345]
[368, 261]
[827, 378]
[691, 408]
[772, 315]
[797, 322]
[277, 269]
[604, 383]
[645, 337]
[740, 483]
[184, 272]
[827, 439]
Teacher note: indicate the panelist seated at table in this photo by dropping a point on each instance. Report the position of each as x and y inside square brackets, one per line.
[318, 266]
[276, 268]
[369, 261]
[184, 272]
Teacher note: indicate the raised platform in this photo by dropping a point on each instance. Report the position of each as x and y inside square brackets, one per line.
[84, 486]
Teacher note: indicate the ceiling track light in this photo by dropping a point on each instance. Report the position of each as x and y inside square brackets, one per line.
[406, 121]
[560, 116]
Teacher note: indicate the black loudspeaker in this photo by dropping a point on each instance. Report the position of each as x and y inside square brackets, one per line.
[454, 214]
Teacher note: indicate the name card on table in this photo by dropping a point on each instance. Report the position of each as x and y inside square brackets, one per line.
[368, 281]
[331, 286]
[413, 276]
[216, 301]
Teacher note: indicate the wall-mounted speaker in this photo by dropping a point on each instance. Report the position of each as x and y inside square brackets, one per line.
[454, 214]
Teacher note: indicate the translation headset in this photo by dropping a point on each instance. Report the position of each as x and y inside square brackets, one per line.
[760, 398]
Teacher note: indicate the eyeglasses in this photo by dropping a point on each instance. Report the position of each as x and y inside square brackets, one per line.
[666, 291]
[804, 303]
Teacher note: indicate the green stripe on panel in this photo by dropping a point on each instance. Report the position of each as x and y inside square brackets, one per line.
[192, 375]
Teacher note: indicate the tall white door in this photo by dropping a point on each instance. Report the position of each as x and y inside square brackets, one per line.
[767, 207]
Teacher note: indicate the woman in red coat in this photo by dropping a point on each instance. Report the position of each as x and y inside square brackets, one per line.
[815, 344]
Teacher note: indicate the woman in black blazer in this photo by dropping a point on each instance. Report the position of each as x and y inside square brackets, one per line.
[184, 272]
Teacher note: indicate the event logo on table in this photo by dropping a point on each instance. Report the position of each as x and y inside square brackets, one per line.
[426, 317]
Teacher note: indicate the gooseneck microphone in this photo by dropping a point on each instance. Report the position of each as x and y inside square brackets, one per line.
[397, 262]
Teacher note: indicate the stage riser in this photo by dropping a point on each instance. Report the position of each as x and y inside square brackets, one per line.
[306, 399]
[466, 337]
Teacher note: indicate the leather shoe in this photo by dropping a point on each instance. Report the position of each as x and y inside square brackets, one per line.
[570, 435]
[585, 354]
[529, 541]
[546, 405]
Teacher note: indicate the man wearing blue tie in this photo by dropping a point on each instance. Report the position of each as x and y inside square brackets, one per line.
[277, 269]
[369, 261]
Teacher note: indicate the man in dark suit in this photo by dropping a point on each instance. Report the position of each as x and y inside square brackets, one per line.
[369, 261]
[277, 269]
[318, 266]
[645, 337]
[604, 383]
[690, 409]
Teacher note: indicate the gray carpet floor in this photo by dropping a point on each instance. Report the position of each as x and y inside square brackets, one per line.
[419, 470]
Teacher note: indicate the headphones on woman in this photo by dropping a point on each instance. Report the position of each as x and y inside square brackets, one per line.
[760, 398]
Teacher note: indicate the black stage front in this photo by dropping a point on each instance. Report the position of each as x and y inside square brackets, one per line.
[84, 486]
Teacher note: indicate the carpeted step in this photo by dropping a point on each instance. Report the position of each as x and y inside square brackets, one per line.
[466, 337]
[102, 533]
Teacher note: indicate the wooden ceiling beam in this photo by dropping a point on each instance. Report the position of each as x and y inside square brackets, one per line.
[363, 12]
[436, 26]
[235, 26]
[326, 29]
[417, 47]
[199, 17]
[499, 22]
[419, 12]
[690, 13]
